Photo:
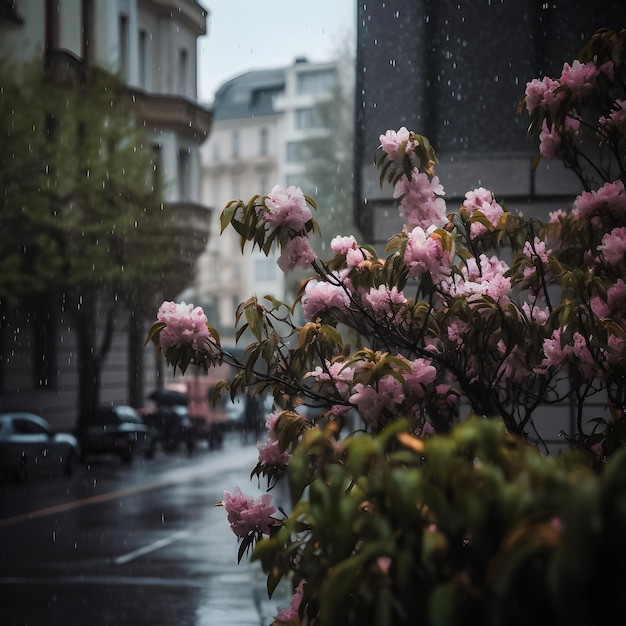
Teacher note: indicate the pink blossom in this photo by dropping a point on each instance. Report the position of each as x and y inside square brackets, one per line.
[609, 199]
[247, 515]
[286, 207]
[375, 403]
[543, 93]
[615, 305]
[424, 253]
[184, 325]
[536, 314]
[456, 330]
[270, 421]
[337, 373]
[349, 246]
[576, 354]
[551, 137]
[536, 251]
[613, 246]
[297, 252]
[616, 118]
[554, 354]
[397, 144]
[482, 200]
[422, 373]
[555, 217]
[319, 296]
[384, 301]
[270, 452]
[580, 78]
[489, 278]
[616, 353]
[291, 614]
[341, 245]
[421, 204]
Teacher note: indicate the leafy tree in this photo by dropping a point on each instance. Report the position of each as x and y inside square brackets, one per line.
[82, 221]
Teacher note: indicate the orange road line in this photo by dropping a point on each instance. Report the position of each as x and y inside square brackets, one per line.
[76, 504]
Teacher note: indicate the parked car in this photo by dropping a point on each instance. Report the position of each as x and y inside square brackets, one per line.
[170, 426]
[118, 430]
[29, 445]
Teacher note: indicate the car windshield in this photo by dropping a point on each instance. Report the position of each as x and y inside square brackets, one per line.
[127, 414]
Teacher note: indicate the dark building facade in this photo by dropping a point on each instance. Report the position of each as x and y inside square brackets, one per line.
[454, 71]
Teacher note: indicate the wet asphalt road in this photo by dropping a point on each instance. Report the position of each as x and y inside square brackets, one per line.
[139, 544]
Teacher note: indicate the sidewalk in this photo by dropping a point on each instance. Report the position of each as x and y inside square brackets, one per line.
[237, 593]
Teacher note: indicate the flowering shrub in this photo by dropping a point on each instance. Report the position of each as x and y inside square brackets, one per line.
[416, 493]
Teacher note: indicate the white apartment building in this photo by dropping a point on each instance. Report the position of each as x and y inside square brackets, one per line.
[262, 121]
[152, 46]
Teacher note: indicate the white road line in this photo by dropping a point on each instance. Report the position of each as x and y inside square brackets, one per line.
[157, 545]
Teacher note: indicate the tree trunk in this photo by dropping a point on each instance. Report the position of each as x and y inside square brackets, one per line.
[94, 343]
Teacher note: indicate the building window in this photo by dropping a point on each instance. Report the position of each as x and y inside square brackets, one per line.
[143, 59]
[184, 174]
[235, 186]
[124, 59]
[308, 118]
[234, 151]
[264, 269]
[264, 139]
[320, 81]
[293, 180]
[183, 71]
[296, 152]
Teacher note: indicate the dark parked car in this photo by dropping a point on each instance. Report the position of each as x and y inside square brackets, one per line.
[28, 445]
[116, 430]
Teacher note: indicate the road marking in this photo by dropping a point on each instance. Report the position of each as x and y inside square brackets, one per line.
[157, 545]
[76, 504]
[220, 465]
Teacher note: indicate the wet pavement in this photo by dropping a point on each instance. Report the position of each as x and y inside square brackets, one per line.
[159, 554]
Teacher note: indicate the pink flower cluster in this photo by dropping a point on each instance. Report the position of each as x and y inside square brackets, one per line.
[270, 452]
[421, 203]
[288, 208]
[247, 515]
[184, 325]
[394, 395]
[424, 253]
[489, 278]
[320, 296]
[349, 246]
[383, 302]
[616, 118]
[577, 354]
[579, 79]
[297, 252]
[613, 246]
[481, 200]
[397, 144]
[609, 201]
[291, 614]
[551, 137]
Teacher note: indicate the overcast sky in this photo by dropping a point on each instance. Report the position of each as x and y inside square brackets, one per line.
[245, 35]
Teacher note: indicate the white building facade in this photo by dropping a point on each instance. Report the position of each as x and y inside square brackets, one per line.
[262, 123]
[152, 46]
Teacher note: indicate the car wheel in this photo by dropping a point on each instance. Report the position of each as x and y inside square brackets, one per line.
[70, 463]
